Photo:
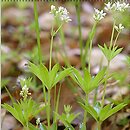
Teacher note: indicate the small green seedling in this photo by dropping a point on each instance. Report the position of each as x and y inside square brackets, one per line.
[67, 117]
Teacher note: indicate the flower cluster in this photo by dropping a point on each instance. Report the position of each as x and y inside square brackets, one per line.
[24, 93]
[61, 12]
[117, 6]
[98, 15]
[119, 28]
[38, 121]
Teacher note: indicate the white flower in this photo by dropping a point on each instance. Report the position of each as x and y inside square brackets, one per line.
[119, 28]
[38, 121]
[24, 93]
[118, 6]
[98, 15]
[53, 9]
[61, 12]
[108, 6]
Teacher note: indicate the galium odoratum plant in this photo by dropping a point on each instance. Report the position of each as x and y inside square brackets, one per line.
[88, 83]
[113, 50]
[67, 117]
[100, 113]
[25, 109]
[51, 77]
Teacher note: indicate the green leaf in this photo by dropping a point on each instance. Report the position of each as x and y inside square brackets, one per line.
[19, 112]
[54, 126]
[82, 126]
[98, 78]
[61, 75]
[32, 127]
[45, 75]
[114, 110]
[103, 112]
[78, 77]
[90, 110]
[52, 73]
[35, 70]
[87, 76]
[12, 111]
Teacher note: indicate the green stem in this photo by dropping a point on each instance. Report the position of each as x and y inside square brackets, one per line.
[99, 125]
[57, 104]
[85, 112]
[90, 51]
[90, 39]
[51, 52]
[37, 31]
[62, 37]
[49, 107]
[112, 34]
[116, 39]
[80, 33]
[105, 84]
[44, 92]
[51, 46]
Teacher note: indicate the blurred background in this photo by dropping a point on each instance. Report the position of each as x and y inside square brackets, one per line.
[19, 45]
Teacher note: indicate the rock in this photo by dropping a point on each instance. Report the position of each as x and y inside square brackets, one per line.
[46, 21]
[8, 123]
[87, 8]
[15, 17]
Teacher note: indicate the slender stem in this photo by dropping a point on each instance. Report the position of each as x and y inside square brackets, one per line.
[44, 92]
[90, 39]
[37, 31]
[51, 46]
[116, 39]
[99, 125]
[80, 33]
[49, 107]
[51, 52]
[57, 104]
[90, 51]
[112, 34]
[62, 37]
[85, 112]
[58, 29]
[105, 84]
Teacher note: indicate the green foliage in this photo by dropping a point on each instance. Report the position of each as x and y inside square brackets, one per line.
[82, 126]
[88, 83]
[4, 82]
[128, 60]
[24, 82]
[24, 110]
[67, 117]
[121, 76]
[100, 114]
[110, 52]
[53, 127]
[49, 78]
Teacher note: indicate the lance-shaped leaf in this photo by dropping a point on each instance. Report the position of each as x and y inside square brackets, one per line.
[113, 111]
[97, 79]
[61, 75]
[52, 73]
[90, 110]
[87, 83]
